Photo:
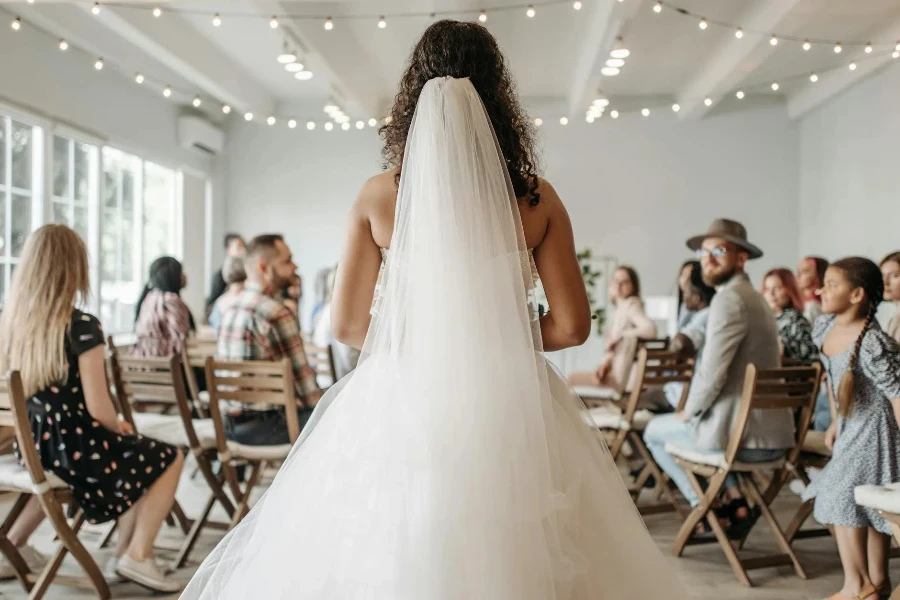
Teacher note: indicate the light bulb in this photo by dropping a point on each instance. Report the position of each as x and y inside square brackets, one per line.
[30, 1]
[329, 25]
[99, 64]
[226, 109]
[852, 66]
[310, 125]
[270, 121]
[645, 112]
[896, 54]
[838, 48]
[739, 33]
[138, 78]
[360, 125]
[286, 57]
[372, 122]
[482, 17]
[775, 86]
[708, 102]
[292, 123]
[614, 114]
[676, 107]
[615, 62]
[576, 5]
[63, 45]
[530, 12]
[16, 24]
[806, 45]
[657, 8]
[602, 102]
[248, 116]
[869, 48]
[773, 40]
[345, 126]
[609, 71]
[382, 23]
[197, 102]
[96, 8]
[563, 121]
[589, 118]
[740, 94]
[897, 47]
[294, 67]
[703, 24]
[273, 22]
[303, 75]
[538, 122]
[619, 50]
[167, 91]
[814, 78]
[157, 12]
[217, 20]
[329, 126]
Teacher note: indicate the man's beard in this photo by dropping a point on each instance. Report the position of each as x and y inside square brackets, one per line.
[717, 279]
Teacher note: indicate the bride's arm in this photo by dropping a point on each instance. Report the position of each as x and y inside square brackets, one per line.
[569, 321]
[357, 274]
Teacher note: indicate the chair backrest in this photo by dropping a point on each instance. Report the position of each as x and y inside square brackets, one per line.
[193, 355]
[321, 360]
[140, 380]
[14, 414]
[787, 389]
[251, 382]
[205, 333]
[654, 343]
[656, 368]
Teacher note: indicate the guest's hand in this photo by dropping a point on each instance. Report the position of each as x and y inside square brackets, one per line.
[125, 428]
[291, 305]
[682, 416]
[831, 436]
[612, 343]
[603, 370]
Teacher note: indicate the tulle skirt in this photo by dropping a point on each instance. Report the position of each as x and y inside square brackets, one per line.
[393, 497]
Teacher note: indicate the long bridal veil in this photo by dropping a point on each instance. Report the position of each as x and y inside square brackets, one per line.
[454, 462]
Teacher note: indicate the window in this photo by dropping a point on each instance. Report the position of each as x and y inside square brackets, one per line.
[138, 225]
[75, 184]
[21, 156]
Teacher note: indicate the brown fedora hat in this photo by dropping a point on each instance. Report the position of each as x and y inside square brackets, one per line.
[728, 230]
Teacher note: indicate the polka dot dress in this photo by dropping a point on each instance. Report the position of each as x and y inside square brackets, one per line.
[107, 472]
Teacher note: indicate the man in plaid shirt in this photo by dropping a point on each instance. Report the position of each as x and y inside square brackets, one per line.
[257, 326]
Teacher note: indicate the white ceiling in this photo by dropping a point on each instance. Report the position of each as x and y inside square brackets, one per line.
[556, 56]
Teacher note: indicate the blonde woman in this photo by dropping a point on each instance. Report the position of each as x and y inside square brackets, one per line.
[59, 352]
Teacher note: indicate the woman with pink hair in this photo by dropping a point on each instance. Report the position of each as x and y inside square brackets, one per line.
[781, 292]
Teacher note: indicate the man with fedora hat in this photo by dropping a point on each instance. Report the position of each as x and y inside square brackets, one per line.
[740, 330]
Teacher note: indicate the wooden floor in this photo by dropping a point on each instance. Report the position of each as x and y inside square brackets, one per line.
[704, 568]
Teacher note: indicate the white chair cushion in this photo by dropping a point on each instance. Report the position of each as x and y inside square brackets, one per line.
[603, 417]
[246, 452]
[597, 392]
[814, 442]
[885, 498]
[15, 476]
[717, 459]
[170, 429]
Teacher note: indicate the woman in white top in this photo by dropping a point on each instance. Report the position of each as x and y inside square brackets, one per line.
[890, 270]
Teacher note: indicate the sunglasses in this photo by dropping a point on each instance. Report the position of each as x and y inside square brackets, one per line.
[718, 252]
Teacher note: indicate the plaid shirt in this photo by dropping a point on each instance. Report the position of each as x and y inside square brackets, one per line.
[258, 327]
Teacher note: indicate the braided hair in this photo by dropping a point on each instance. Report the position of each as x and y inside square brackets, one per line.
[860, 273]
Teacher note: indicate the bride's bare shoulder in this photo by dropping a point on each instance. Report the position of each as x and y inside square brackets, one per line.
[537, 218]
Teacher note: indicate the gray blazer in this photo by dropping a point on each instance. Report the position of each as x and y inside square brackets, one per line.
[741, 330]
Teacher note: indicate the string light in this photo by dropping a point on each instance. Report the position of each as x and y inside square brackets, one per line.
[703, 24]
[30, 1]
[897, 47]
[610, 71]
[813, 78]
[329, 126]
[372, 122]
[738, 33]
[645, 112]
[310, 125]
[217, 20]
[96, 8]
[226, 109]
[869, 48]
[273, 23]
[740, 94]
[538, 122]
[657, 8]
[676, 107]
[382, 23]
[589, 118]
[360, 125]
[294, 67]
[600, 102]
[838, 48]
[99, 64]
[708, 102]
[806, 45]
[138, 78]
[286, 56]
[576, 5]
[482, 17]
[775, 86]
[615, 62]
[563, 121]
[530, 12]
[167, 91]
[16, 24]
[270, 121]
[292, 123]
[614, 114]
[329, 24]
[63, 45]
[773, 40]
[896, 54]
[619, 50]
[248, 116]
[157, 12]
[197, 102]
[852, 66]
[303, 75]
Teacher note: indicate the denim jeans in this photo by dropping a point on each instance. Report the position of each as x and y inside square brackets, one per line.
[668, 428]
[822, 414]
[262, 428]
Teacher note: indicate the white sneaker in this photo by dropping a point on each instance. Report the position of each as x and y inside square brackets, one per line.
[109, 569]
[147, 573]
[34, 559]
[798, 487]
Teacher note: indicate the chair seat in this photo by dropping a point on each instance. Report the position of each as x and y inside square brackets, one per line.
[885, 498]
[597, 392]
[603, 417]
[14, 476]
[717, 459]
[170, 429]
[815, 443]
[243, 451]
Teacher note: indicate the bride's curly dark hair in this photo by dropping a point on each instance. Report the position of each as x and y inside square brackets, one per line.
[459, 49]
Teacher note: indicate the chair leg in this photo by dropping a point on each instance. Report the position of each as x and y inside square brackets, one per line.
[653, 468]
[15, 560]
[802, 514]
[773, 524]
[696, 514]
[615, 447]
[216, 483]
[105, 539]
[69, 542]
[243, 506]
[178, 513]
[194, 533]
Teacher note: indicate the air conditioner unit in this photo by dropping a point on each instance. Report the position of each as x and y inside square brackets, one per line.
[199, 134]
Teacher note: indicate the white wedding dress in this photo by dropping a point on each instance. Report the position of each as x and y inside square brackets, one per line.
[454, 463]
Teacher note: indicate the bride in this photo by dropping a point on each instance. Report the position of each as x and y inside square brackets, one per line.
[454, 463]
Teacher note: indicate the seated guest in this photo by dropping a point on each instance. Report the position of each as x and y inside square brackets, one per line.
[234, 246]
[629, 324]
[163, 320]
[259, 327]
[810, 275]
[779, 288]
[60, 354]
[345, 357]
[890, 271]
[235, 277]
[291, 295]
[741, 330]
[684, 276]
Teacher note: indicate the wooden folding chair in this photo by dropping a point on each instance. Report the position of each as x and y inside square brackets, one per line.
[652, 368]
[784, 389]
[813, 455]
[321, 360]
[52, 493]
[250, 382]
[194, 354]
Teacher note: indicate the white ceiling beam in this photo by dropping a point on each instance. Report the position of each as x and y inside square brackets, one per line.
[732, 60]
[606, 22]
[834, 82]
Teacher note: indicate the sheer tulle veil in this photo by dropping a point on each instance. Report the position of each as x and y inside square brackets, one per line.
[454, 462]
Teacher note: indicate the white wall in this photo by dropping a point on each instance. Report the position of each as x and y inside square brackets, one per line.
[849, 176]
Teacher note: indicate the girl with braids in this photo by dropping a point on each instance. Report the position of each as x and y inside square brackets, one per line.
[863, 367]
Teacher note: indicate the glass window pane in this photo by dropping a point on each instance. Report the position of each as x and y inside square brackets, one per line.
[110, 188]
[108, 243]
[126, 241]
[83, 154]
[127, 191]
[62, 212]
[4, 243]
[159, 199]
[2, 285]
[21, 223]
[60, 167]
[80, 222]
[21, 155]
[3, 151]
